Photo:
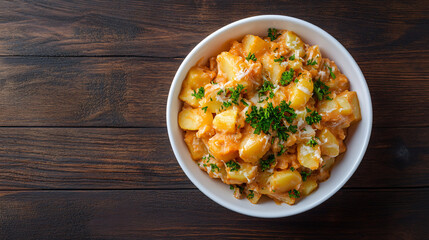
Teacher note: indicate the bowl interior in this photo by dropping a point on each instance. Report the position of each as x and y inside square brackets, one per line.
[357, 140]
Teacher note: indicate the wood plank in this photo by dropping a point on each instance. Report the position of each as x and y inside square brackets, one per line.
[132, 92]
[188, 214]
[134, 158]
[59, 28]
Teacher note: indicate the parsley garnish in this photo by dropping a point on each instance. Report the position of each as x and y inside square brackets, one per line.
[292, 169]
[214, 167]
[251, 194]
[231, 187]
[280, 59]
[287, 77]
[264, 119]
[313, 118]
[226, 105]
[321, 90]
[233, 165]
[304, 175]
[205, 109]
[292, 57]
[331, 73]
[200, 93]
[244, 102]
[251, 57]
[266, 164]
[267, 86]
[214, 83]
[312, 142]
[294, 194]
[311, 62]
[272, 34]
[220, 92]
[235, 93]
[282, 150]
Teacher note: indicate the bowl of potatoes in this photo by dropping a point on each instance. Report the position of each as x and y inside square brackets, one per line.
[269, 116]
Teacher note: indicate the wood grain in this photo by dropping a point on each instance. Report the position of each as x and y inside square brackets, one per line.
[171, 28]
[133, 158]
[132, 92]
[188, 214]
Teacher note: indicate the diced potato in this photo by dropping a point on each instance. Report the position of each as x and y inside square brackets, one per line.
[273, 69]
[263, 181]
[238, 71]
[225, 121]
[209, 100]
[328, 109]
[349, 104]
[245, 174]
[294, 43]
[254, 196]
[224, 146]
[328, 163]
[301, 91]
[197, 77]
[308, 186]
[283, 181]
[193, 119]
[254, 146]
[309, 156]
[295, 64]
[254, 44]
[195, 145]
[329, 143]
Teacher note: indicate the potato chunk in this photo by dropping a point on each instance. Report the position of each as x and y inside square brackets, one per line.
[330, 145]
[193, 119]
[195, 145]
[255, 45]
[224, 146]
[309, 156]
[274, 70]
[197, 77]
[301, 91]
[293, 42]
[283, 181]
[245, 174]
[254, 146]
[225, 121]
[308, 186]
[349, 105]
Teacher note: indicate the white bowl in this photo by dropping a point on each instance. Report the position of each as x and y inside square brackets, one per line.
[357, 140]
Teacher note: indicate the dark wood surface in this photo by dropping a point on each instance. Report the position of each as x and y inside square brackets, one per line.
[84, 152]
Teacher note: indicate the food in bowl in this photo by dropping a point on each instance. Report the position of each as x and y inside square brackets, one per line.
[268, 117]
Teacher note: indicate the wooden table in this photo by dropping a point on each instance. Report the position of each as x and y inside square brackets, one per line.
[84, 152]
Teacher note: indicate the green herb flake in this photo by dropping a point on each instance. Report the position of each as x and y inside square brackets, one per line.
[252, 57]
[231, 187]
[205, 109]
[331, 73]
[280, 59]
[287, 77]
[233, 166]
[294, 193]
[312, 142]
[272, 34]
[314, 117]
[251, 195]
[321, 90]
[266, 164]
[292, 169]
[304, 175]
[292, 57]
[235, 93]
[214, 167]
[311, 62]
[199, 94]
[244, 102]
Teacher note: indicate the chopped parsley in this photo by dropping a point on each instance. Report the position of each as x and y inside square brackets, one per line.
[233, 166]
[280, 59]
[235, 93]
[294, 193]
[226, 105]
[220, 92]
[199, 94]
[304, 175]
[267, 87]
[207, 157]
[205, 109]
[231, 187]
[244, 102]
[272, 34]
[312, 142]
[251, 195]
[214, 83]
[292, 169]
[313, 118]
[252, 57]
[266, 164]
[214, 167]
[311, 62]
[321, 90]
[292, 57]
[287, 77]
[331, 73]
[271, 118]
[282, 150]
